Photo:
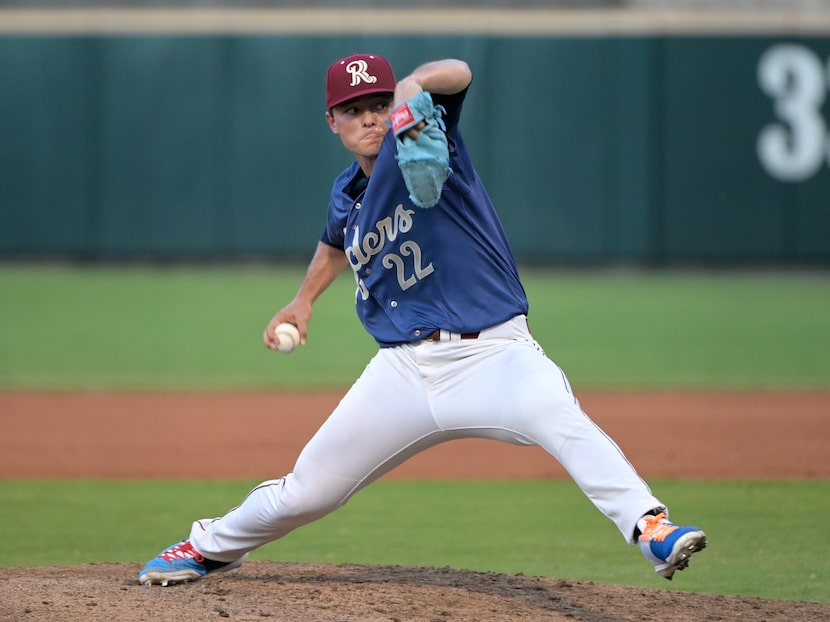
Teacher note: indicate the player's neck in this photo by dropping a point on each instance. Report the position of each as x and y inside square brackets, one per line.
[367, 164]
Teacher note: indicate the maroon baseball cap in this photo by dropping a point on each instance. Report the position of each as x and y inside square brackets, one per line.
[357, 75]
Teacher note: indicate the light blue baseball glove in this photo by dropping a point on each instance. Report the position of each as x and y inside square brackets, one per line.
[424, 161]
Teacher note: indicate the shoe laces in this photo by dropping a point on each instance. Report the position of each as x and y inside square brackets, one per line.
[657, 528]
[183, 550]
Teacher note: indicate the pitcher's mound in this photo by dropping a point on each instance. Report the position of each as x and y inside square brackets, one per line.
[263, 591]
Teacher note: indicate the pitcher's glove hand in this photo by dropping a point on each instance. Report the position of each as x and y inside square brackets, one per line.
[425, 160]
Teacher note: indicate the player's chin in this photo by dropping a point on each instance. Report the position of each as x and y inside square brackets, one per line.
[369, 151]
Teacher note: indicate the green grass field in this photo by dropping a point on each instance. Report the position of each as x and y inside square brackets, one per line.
[765, 537]
[201, 328]
[198, 328]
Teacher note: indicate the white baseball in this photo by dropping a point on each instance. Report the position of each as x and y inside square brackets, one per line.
[288, 335]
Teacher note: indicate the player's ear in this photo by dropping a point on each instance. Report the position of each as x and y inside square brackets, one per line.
[332, 123]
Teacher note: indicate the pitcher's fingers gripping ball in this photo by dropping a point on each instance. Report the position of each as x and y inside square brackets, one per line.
[288, 335]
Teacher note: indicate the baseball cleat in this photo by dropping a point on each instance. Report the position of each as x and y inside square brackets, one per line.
[668, 546]
[181, 563]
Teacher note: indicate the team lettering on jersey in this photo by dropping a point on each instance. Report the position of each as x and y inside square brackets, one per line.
[407, 261]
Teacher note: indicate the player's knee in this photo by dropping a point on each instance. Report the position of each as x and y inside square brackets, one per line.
[306, 503]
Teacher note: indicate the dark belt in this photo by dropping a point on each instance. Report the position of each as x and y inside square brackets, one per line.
[436, 336]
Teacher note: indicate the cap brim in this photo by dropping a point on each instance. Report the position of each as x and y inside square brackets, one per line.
[362, 94]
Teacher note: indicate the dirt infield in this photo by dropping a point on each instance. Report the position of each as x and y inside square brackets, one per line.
[74, 435]
[109, 435]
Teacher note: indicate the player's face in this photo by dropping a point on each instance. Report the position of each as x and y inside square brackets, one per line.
[361, 124]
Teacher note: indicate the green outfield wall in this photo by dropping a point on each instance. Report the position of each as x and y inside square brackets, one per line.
[597, 148]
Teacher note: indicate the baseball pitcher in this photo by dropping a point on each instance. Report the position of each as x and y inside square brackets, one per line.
[438, 288]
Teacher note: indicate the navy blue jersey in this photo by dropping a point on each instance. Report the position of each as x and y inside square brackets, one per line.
[417, 269]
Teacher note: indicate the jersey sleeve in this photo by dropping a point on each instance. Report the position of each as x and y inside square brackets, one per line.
[325, 238]
[452, 104]
[339, 205]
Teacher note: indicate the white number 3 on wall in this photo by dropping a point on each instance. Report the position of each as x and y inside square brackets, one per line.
[795, 147]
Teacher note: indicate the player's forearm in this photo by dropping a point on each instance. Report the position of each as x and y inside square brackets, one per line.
[443, 77]
[326, 265]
